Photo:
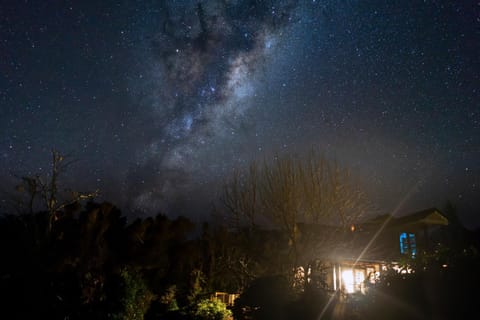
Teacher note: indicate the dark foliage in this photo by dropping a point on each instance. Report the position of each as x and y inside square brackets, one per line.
[439, 291]
[90, 264]
[273, 297]
[265, 298]
[75, 267]
[312, 303]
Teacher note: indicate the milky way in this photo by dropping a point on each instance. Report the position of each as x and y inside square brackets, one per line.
[204, 64]
[160, 100]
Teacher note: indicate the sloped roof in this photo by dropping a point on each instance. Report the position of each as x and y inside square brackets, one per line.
[431, 216]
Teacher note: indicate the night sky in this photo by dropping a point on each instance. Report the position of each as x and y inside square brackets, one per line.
[158, 101]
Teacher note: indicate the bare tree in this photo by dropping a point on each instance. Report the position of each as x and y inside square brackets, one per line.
[240, 197]
[46, 190]
[297, 196]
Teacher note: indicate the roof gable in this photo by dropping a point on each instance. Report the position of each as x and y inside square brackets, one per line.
[430, 216]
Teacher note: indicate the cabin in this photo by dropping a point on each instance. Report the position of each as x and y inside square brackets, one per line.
[379, 243]
[353, 260]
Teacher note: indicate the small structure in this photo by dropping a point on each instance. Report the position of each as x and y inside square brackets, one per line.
[382, 242]
[227, 298]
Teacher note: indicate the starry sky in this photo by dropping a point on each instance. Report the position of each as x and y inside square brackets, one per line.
[158, 101]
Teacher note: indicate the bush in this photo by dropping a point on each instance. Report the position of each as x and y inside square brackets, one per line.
[137, 297]
[437, 292]
[208, 309]
[311, 304]
[266, 298]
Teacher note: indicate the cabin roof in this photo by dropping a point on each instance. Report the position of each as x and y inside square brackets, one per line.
[431, 216]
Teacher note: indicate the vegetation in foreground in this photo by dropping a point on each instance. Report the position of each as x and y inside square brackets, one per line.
[94, 265]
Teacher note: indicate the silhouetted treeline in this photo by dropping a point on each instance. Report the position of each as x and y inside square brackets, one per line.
[89, 263]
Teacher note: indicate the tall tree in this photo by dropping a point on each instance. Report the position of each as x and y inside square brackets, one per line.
[296, 195]
[45, 190]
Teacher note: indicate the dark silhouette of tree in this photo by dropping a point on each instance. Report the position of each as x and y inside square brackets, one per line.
[295, 194]
[47, 190]
[234, 258]
[91, 263]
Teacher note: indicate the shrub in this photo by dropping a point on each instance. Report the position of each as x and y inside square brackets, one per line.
[266, 298]
[137, 297]
[207, 309]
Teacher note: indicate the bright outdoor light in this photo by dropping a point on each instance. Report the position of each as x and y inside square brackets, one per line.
[348, 280]
[352, 279]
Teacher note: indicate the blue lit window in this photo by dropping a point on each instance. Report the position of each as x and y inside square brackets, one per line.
[408, 244]
[403, 243]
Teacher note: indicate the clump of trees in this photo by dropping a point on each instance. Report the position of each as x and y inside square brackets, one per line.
[63, 258]
[91, 264]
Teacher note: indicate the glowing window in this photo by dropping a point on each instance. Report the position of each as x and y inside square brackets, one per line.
[408, 244]
[348, 280]
[352, 280]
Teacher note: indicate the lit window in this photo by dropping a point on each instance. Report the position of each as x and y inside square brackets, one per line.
[403, 243]
[352, 280]
[408, 244]
[348, 280]
[413, 244]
